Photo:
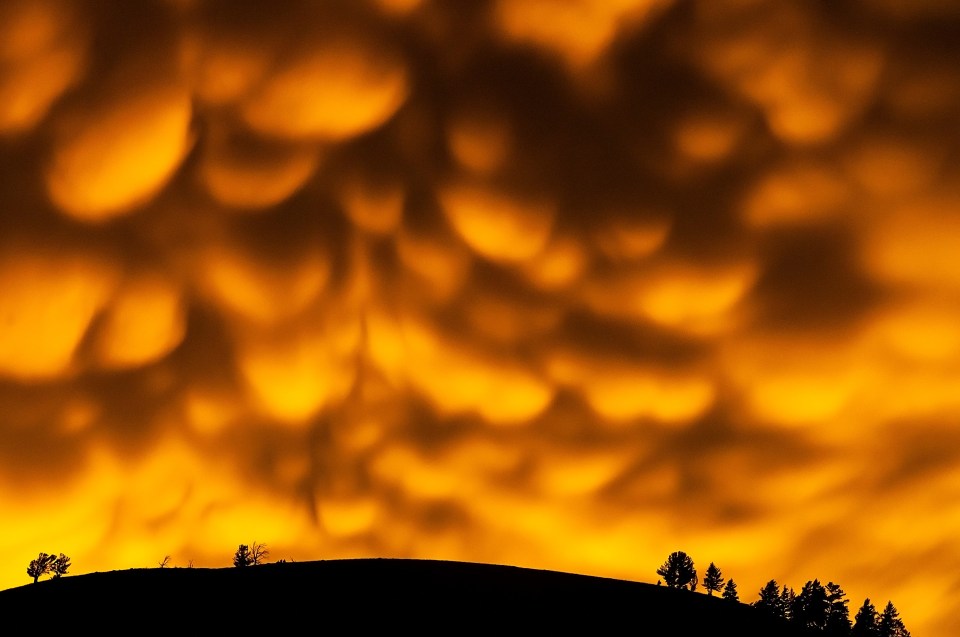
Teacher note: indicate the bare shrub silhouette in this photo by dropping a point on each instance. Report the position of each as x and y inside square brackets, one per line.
[258, 553]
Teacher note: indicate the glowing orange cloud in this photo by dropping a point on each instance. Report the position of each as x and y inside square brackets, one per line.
[119, 155]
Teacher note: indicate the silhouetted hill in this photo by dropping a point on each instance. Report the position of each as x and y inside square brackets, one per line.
[362, 595]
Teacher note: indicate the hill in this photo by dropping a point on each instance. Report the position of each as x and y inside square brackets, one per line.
[427, 596]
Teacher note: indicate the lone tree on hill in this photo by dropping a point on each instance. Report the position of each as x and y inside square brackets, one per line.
[713, 579]
[242, 556]
[678, 571]
[730, 591]
[865, 623]
[40, 566]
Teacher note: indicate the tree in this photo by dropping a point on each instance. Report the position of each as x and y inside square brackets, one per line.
[713, 579]
[838, 613]
[60, 566]
[730, 591]
[242, 556]
[678, 571]
[769, 600]
[811, 606]
[865, 623]
[258, 553]
[890, 624]
[788, 599]
[40, 566]
[164, 562]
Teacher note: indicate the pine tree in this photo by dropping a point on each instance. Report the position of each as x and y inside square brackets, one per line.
[770, 599]
[730, 591]
[713, 579]
[838, 612]
[242, 556]
[788, 599]
[678, 571]
[890, 624]
[811, 607]
[865, 623]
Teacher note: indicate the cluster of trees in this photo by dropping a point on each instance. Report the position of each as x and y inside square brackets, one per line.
[679, 572]
[823, 607]
[48, 564]
[252, 555]
[868, 623]
[817, 607]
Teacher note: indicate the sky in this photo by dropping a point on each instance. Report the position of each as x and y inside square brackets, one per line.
[563, 284]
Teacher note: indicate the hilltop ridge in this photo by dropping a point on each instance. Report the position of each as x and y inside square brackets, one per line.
[430, 596]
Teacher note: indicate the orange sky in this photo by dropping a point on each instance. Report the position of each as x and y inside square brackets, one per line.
[562, 284]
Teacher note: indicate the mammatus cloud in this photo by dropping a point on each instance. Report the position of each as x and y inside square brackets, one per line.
[566, 286]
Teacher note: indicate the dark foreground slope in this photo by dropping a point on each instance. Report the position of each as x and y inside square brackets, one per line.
[364, 595]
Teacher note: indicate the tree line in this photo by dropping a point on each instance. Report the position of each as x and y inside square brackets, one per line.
[821, 608]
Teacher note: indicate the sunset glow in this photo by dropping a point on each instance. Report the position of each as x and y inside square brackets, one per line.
[559, 284]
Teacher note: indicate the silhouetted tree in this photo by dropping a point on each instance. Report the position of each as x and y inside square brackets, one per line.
[865, 623]
[890, 624]
[769, 601]
[788, 598]
[712, 579]
[678, 571]
[60, 566]
[164, 562]
[811, 606]
[258, 553]
[242, 556]
[40, 566]
[730, 591]
[838, 612]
